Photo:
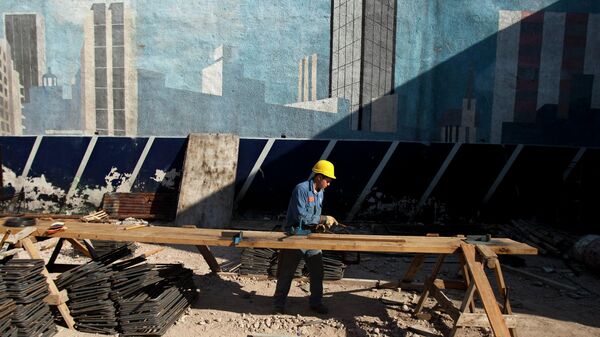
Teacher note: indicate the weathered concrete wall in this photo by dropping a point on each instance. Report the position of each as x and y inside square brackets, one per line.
[207, 186]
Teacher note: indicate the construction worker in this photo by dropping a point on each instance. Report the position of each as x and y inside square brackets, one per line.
[304, 211]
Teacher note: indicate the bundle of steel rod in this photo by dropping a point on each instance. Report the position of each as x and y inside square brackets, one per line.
[333, 267]
[27, 287]
[7, 308]
[103, 247]
[150, 298]
[89, 287]
[257, 261]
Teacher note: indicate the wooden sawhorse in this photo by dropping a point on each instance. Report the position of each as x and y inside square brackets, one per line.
[472, 257]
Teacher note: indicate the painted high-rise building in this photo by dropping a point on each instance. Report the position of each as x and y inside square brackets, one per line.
[25, 32]
[108, 75]
[460, 125]
[541, 60]
[11, 116]
[362, 61]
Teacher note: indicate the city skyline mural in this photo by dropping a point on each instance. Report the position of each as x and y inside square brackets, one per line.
[492, 72]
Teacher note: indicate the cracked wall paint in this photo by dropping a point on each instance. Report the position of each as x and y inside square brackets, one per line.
[88, 198]
[166, 179]
[38, 193]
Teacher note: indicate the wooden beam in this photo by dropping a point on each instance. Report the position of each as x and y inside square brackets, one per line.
[491, 259]
[414, 267]
[80, 247]
[57, 299]
[52, 288]
[268, 239]
[209, 258]
[485, 291]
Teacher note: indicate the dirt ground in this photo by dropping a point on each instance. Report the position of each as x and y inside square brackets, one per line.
[232, 305]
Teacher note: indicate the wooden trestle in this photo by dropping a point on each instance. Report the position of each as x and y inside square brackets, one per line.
[473, 256]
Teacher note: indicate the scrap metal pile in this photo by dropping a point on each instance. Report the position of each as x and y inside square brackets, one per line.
[24, 284]
[130, 297]
[263, 261]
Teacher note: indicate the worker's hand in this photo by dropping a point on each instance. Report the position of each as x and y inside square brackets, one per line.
[329, 221]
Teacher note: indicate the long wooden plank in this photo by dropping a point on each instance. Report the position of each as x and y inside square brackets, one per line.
[275, 240]
[485, 291]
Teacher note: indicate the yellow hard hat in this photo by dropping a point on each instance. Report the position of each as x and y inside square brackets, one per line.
[324, 167]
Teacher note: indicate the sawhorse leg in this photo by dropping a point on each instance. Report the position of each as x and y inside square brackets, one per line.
[52, 288]
[209, 258]
[486, 294]
[430, 283]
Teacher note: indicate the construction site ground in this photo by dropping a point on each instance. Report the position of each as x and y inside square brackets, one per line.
[232, 305]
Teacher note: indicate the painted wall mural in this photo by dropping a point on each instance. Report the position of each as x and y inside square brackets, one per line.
[509, 71]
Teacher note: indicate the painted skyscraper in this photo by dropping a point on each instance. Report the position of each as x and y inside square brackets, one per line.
[363, 35]
[25, 34]
[10, 94]
[547, 67]
[108, 76]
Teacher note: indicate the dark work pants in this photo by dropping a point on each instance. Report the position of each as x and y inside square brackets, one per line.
[286, 267]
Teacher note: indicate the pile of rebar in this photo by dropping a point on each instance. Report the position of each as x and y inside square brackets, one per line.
[150, 298]
[264, 261]
[333, 267]
[7, 308]
[257, 261]
[103, 247]
[27, 287]
[131, 297]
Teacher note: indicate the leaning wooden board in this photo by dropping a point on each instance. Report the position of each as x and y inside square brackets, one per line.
[276, 240]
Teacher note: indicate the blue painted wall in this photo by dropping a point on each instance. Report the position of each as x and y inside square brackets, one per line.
[443, 49]
[382, 181]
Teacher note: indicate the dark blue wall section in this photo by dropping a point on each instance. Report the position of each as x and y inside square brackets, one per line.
[582, 197]
[405, 178]
[533, 187]
[354, 163]
[15, 151]
[249, 151]
[537, 174]
[165, 154]
[58, 159]
[122, 153]
[469, 177]
[288, 163]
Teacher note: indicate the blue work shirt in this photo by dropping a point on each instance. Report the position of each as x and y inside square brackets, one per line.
[305, 205]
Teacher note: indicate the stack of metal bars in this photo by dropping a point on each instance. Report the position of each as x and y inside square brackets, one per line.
[88, 287]
[333, 267]
[27, 287]
[103, 247]
[257, 261]
[150, 298]
[7, 308]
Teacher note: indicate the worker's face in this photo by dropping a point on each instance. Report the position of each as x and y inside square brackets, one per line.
[322, 182]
